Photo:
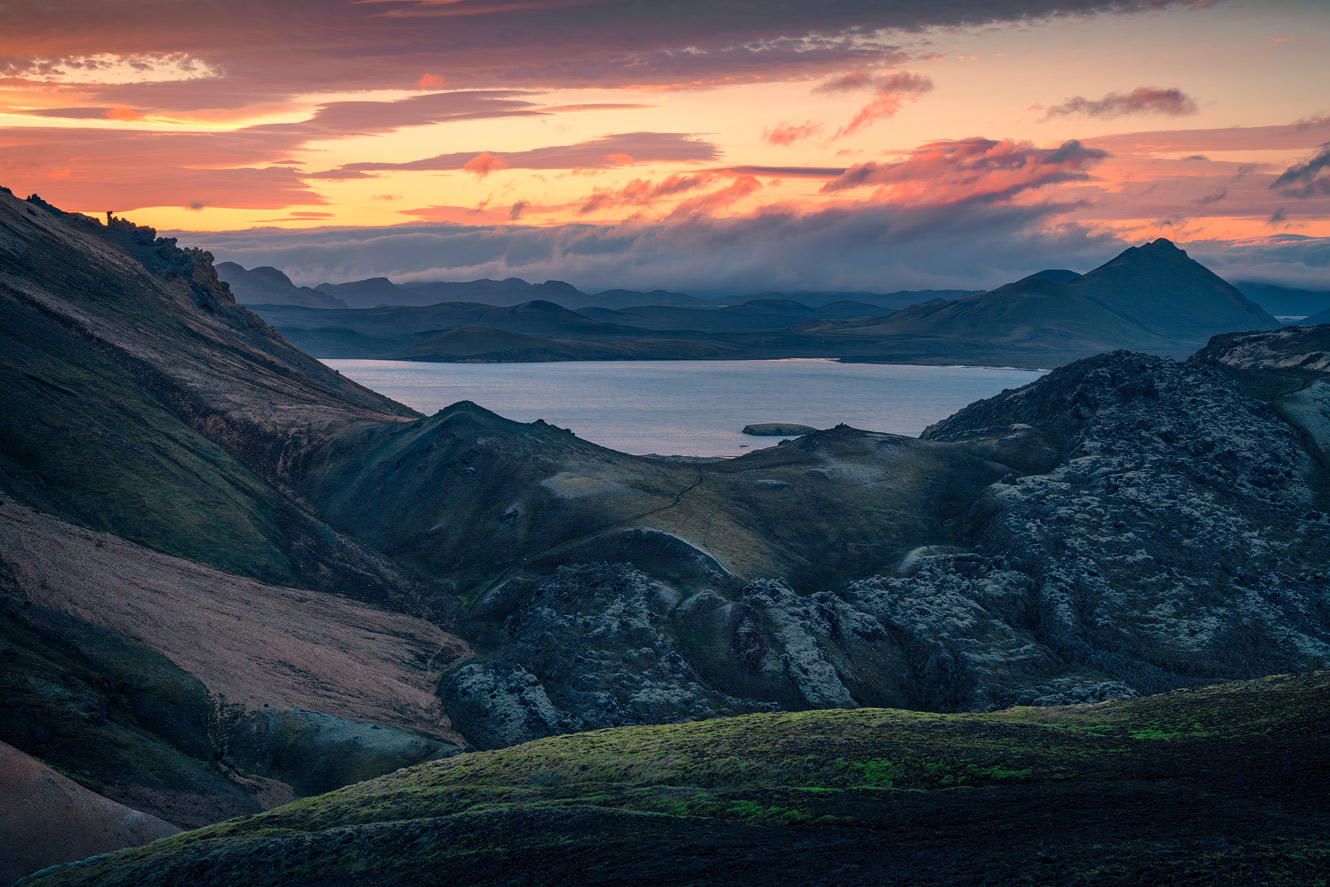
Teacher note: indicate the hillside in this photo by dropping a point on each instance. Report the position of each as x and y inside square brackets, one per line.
[1321, 318]
[1216, 786]
[230, 577]
[48, 818]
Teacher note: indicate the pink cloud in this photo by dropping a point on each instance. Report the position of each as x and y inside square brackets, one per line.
[431, 81]
[605, 152]
[707, 205]
[892, 90]
[950, 171]
[483, 164]
[641, 192]
[788, 134]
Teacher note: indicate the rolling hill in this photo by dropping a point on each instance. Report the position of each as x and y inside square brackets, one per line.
[1219, 786]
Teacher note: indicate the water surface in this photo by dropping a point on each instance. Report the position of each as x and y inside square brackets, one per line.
[691, 407]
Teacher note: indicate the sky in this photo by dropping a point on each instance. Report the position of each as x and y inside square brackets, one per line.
[706, 147]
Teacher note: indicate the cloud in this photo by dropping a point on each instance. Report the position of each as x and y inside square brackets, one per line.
[124, 114]
[127, 168]
[788, 134]
[1308, 179]
[969, 244]
[706, 205]
[1288, 259]
[1142, 100]
[1279, 216]
[1213, 197]
[515, 212]
[431, 81]
[249, 54]
[791, 172]
[892, 90]
[974, 168]
[483, 164]
[602, 153]
[643, 192]
[1296, 136]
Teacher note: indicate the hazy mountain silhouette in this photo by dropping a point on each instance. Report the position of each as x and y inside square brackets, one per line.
[1151, 297]
[266, 285]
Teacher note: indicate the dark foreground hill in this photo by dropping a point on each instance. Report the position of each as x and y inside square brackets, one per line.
[1221, 786]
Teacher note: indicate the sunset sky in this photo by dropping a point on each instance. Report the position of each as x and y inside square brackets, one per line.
[697, 146]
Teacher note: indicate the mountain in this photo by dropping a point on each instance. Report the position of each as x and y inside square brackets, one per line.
[1151, 297]
[1214, 786]
[268, 286]
[894, 300]
[1053, 275]
[150, 430]
[755, 315]
[617, 299]
[229, 577]
[373, 292]
[1284, 301]
[499, 293]
[1323, 317]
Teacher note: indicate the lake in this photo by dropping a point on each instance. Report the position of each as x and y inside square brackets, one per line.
[691, 407]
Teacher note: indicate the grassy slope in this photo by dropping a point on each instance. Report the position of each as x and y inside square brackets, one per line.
[1218, 785]
[445, 496]
[80, 437]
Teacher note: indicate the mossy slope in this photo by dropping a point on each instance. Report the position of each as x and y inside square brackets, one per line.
[1222, 785]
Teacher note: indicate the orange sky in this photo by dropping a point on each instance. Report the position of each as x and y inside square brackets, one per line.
[647, 127]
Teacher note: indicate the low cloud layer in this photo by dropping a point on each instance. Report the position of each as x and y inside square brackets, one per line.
[972, 244]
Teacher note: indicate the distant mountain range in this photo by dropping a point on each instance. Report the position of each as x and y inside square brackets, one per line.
[269, 286]
[1151, 298]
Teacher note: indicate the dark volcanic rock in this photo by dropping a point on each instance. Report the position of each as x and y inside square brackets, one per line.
[1161, 528]
[591, 647]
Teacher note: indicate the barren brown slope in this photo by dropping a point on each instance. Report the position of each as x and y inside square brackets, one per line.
[48, 818]
[254, 644]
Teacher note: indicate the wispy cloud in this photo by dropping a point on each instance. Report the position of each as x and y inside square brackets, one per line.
[609, 151]
[789, 133]
[1142, 100]
[891, 90]
[1308, 179]
[975, 168]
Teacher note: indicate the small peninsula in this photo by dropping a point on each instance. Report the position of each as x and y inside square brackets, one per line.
[778, 429]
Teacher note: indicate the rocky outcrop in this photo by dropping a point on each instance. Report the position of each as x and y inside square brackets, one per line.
[1161, 527]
